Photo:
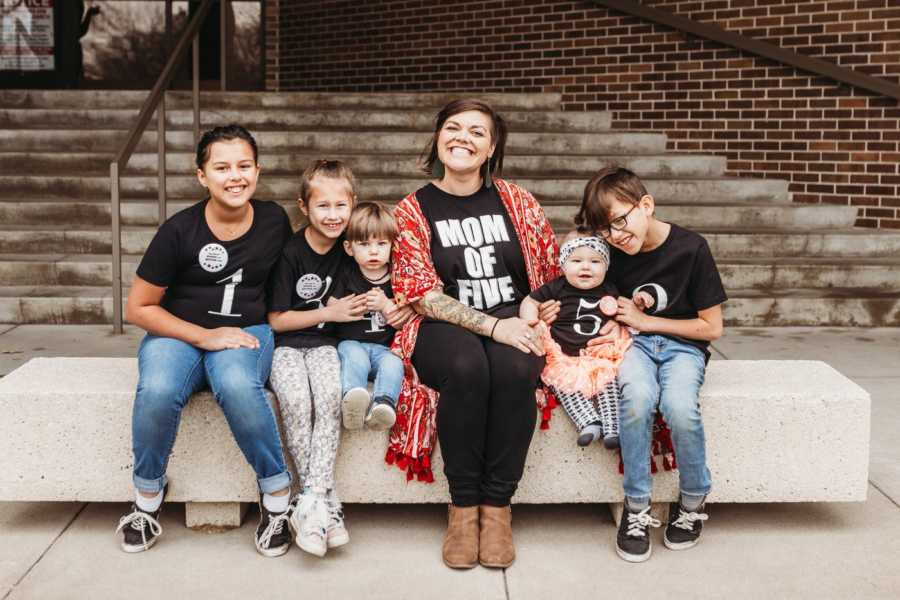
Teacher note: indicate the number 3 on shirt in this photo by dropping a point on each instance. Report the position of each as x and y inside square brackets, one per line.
[228, 299]
[582, 303]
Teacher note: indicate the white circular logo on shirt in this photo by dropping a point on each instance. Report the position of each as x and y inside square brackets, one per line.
[213, 257]
[308, 286]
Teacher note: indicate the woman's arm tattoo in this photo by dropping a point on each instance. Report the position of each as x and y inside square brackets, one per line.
[441, 306]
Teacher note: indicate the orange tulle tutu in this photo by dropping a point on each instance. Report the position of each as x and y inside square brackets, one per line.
[587, 373]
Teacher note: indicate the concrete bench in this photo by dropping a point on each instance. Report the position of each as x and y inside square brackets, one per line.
[777, 431]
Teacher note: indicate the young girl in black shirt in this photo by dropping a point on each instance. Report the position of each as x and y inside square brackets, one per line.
[582, 378]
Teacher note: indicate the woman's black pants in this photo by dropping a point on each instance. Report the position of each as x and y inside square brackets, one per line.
[486, 413]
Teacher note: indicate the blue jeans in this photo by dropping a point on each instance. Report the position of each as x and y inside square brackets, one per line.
[660, 372]
[172, 370]
[364, 361]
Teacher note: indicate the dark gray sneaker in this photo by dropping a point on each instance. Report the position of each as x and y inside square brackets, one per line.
[633, 540]
[140, 529]
[273, 535]
[683, 530]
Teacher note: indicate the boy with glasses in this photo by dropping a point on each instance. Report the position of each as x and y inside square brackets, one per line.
[672, 295]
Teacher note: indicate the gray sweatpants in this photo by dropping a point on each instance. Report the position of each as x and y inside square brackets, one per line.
[307, 382]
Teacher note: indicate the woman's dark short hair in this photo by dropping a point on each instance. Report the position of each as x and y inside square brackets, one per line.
[609, 184]
[498, 132]
[225, 133]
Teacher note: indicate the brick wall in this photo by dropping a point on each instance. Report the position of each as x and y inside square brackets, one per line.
[835, 144]
[272, 55]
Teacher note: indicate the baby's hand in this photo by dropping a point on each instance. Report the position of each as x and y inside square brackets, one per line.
[643, 300]
[376, 301]
[608, 306]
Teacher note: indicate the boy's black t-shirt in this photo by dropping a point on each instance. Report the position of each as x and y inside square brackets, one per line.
[210, 282]
[372, 328]
[303, 279]
[474, 247]
[680, 274]
[579, 317]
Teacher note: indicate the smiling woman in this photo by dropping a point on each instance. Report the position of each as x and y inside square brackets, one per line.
[471, 246]
[200, 294]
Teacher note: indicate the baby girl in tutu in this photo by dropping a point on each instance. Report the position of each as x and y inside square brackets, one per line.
[582, 377]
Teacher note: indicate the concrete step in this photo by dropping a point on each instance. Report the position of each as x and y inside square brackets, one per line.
[290, 119]
[746, 308]
[761, 274]
[118, 99]
[374, 142]
[366, 165]
[749, 216]
[546, 190]
[725, 244]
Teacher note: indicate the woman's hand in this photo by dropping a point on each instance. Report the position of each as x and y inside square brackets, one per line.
[398, 316]
[518, 333]
[549, 310]
[226, 338]
[346, 309]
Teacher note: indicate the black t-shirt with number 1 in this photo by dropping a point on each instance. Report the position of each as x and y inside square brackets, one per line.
[210, 282]
[579, 319]
[302, 280]
[372, 327]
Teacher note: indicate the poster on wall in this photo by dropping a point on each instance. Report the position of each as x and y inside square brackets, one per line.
[26, 35]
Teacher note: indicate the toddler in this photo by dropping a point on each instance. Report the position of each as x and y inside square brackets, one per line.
[582, 377]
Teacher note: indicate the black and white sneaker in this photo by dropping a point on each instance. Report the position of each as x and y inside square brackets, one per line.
[140, 529]
[633, 540]
[683, 530]
[273, 535]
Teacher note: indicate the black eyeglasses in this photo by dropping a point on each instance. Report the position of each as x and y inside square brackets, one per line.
[619, 223]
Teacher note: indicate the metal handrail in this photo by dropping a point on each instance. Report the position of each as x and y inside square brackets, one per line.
[156, 101]
[715, 33]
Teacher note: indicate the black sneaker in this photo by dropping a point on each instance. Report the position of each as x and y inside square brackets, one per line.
[273, 535]
[683, 530]
[633, 540]
[140, 529]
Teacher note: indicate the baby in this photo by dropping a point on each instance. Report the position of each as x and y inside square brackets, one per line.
[583, 378]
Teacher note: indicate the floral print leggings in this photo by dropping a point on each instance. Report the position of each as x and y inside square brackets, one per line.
[307, 382]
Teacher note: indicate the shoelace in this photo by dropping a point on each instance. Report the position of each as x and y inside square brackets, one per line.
[275, 527]
[315, 516]
[140, 521]
[687, 519]
[638, 523]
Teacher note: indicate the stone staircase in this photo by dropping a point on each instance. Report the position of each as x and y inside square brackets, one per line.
[782, 263]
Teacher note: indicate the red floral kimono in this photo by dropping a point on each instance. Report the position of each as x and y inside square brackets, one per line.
[413, 275]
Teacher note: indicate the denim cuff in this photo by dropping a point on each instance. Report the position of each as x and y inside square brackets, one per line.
[275, 482]
[150, 486]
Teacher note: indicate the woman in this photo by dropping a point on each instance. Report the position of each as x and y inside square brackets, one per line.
[200, 295]
[471, 246]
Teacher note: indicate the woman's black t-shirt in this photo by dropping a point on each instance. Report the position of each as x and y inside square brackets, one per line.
[475, 248]
[210, 282]
[373, 328]
[579, 317]
[680, 274]
[303, 279]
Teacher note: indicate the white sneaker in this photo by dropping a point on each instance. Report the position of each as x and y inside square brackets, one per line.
[309, 521]
[335, 532]
[354, 407]
[381, 416]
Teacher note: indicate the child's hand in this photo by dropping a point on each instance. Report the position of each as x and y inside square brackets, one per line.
[643, 300]
[629, 314]
[549, 310]
[346, 309]
[376, 301]
[609, 306]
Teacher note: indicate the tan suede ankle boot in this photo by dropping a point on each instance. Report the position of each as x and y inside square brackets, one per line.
[461, 542]
[495, 546]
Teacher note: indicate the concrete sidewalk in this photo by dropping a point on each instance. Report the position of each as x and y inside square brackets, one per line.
[55, 550]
